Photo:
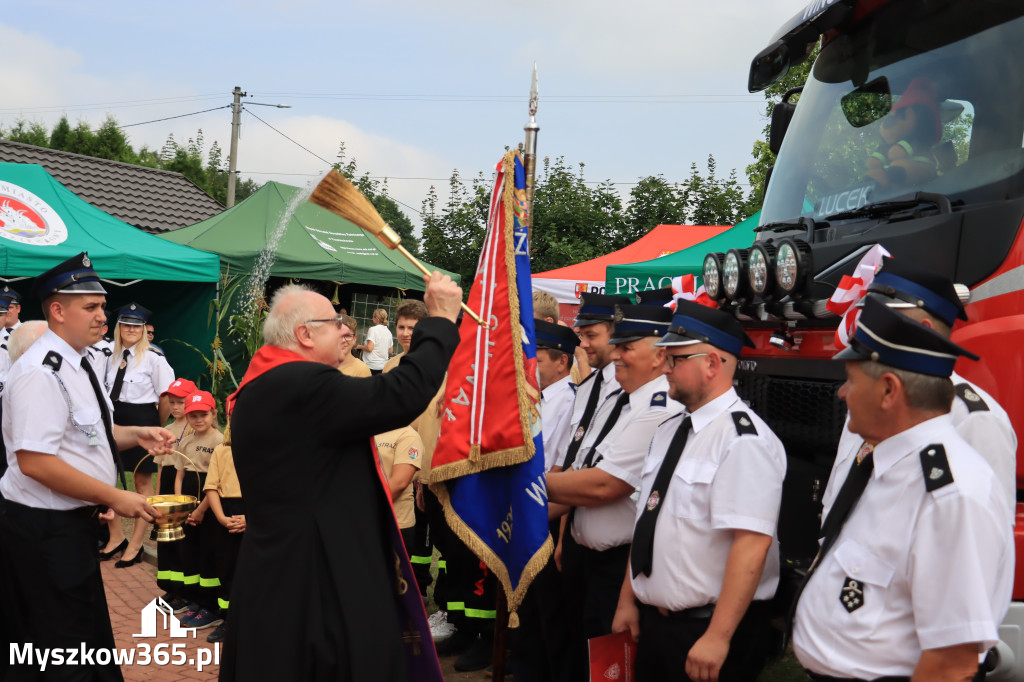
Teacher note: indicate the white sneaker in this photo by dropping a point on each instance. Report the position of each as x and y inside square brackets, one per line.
[440, 628]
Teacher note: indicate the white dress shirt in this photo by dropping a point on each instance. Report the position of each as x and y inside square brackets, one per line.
[556, 412]
[988, 431]
[927, 569]
[145, 378]
[37, 417]
[621, 454]
[724, 481]
[583, 391]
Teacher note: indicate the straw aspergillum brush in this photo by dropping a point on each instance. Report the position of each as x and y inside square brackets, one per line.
[341, 197]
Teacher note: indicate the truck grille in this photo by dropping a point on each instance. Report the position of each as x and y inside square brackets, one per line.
[806, 415]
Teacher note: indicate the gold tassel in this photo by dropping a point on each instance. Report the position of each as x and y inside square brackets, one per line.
[334, 299]
[513, 619]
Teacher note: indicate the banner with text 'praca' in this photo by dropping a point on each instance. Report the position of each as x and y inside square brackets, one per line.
[488, 467]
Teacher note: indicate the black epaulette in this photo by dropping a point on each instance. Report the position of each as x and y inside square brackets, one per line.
[160, 353]
[574, 387]
[973, 401]
[935, 467]
[744, 424]
[53, 360]
[659, 399]
[3, 345]
[589, 377]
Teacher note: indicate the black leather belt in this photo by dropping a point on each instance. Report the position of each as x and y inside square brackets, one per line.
[89, 511]
[815, 677]
[695, 613]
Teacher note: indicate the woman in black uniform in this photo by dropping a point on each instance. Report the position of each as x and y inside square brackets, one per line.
[136, 376]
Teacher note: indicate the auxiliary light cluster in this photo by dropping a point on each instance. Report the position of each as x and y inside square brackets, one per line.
[765, 272]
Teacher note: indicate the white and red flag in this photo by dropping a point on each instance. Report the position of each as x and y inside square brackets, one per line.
[851, 289]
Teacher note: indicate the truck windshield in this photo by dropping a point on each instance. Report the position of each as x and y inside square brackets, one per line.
[921, 96]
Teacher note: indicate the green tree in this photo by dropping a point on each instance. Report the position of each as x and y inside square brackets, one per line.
[653, 201]
[111, 143]
[27, 133]
[61, 133]
[453, 233]
[572, 222]
[710, 200]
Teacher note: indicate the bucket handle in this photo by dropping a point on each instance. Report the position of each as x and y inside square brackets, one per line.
[199, 479]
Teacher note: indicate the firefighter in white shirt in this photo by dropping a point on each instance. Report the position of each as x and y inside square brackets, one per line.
[602, 484]
[916, 563]
[704, 560]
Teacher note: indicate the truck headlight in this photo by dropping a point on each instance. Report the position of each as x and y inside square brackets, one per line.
[712, 275]
[734, 279]
[792, 265]
[761, 267]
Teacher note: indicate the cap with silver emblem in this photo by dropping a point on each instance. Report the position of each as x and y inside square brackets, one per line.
[73, 276]
[634, 322]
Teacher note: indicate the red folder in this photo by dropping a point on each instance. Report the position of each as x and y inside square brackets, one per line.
[612, 657]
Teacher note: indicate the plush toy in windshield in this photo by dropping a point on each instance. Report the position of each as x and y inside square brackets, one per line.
[908, 131]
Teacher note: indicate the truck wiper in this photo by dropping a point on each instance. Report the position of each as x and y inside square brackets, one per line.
[882, 209]
[801, 223]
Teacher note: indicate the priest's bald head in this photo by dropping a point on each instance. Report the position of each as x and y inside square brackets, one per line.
[303, 321]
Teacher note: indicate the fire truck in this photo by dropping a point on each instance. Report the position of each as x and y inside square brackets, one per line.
[946, 193]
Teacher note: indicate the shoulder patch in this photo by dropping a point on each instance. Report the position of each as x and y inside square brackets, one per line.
[744, 424]
[160, 353]
[935, 467]
[973, 401]
[3, 345]
[574, 387]
[659, 399]
[53, 360]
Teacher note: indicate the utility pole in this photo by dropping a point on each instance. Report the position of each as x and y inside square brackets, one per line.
[236, 123]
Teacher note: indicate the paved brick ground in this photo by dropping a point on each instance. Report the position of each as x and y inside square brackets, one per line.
[130, 589]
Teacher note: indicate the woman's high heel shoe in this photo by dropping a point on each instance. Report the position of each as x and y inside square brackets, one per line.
[123, 563]
[104, 556]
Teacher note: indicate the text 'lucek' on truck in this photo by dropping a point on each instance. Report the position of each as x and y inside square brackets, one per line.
[909, 134]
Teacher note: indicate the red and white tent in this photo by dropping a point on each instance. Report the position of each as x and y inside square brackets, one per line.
[567, 283]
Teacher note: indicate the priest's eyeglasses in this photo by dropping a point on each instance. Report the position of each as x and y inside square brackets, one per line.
[338, 321]
[673, 359]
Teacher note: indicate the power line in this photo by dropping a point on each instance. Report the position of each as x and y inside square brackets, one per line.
[100, 105]
[169, 118]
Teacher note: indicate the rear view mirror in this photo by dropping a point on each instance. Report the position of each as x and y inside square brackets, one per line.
[782, 114]
[868, 103]
[770, 64]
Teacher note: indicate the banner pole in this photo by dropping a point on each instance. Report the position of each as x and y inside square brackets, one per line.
[530, 155]
[500, 635]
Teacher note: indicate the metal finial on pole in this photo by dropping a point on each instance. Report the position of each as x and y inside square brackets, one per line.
[530, 154]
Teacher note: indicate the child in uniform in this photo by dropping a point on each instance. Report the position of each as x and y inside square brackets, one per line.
[225, 498]
[197, 551]
[399, 452]
[169, 575]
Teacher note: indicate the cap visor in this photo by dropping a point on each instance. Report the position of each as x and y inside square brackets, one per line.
[82, 288]
[673, 339]
[851, 353]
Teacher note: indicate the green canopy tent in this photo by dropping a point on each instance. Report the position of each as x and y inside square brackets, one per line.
[629, 278]
[313, 244]
[43, 223]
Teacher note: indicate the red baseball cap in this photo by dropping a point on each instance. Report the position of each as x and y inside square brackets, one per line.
[200, 401]
[180, 388]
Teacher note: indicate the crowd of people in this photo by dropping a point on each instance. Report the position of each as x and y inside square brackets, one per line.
[664, 492]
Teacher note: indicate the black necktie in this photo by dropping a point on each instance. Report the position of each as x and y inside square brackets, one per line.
[853, 487]
[115, 392]
[588, 415]
[105, 414]
[641, 554]
[613, 417]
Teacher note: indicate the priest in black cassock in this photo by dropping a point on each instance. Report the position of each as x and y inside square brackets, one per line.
[320, 592]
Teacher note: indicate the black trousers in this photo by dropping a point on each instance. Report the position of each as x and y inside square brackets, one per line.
[420, 547]
[441, 537]
[170, 574]
[591, 582]
[539, 644]
[226, 551]
[665, 642]
[52, 590]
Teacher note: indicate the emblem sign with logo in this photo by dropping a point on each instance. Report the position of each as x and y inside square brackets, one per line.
[27, 219]
[653, 500]
[852, 594]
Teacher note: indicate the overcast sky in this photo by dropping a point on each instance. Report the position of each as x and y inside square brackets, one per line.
[415, 89]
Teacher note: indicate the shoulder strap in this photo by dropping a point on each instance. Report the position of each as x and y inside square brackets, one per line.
[935, 467]
[973, 401]
[744, 424]
[53, 360]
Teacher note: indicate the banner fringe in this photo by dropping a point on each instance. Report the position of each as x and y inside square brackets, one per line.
[493, 460]
[480, 548]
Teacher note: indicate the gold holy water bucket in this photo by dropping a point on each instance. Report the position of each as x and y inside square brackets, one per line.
[174, 509]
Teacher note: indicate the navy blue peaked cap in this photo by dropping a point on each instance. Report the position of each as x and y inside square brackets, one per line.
[694, 323]
[596, 308]
[133, 314]
[655, 296]
[555, 336]
[884, 335]
[633, 322]
[73, 276]
[910, 287]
